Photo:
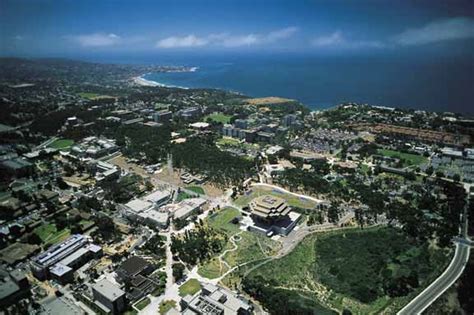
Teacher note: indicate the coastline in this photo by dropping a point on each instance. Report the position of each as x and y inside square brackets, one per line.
[140, 80]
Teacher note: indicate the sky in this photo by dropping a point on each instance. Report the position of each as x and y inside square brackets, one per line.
[334, 27]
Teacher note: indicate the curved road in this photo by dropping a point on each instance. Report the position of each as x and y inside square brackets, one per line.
[441, 284]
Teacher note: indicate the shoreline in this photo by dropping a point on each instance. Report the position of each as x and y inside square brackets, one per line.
[140, 80]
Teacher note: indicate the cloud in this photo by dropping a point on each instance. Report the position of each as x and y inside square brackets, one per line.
[338, 40]
[18, 37]
[283, 33]
[437, 31]
[237, 41]
[226, 39]
[332, 39]
[96, 39]
[180, 42]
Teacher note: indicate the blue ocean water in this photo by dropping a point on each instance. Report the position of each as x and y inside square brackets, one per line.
[321, 82]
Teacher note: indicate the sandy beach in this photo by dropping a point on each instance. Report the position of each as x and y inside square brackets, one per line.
[144, 82]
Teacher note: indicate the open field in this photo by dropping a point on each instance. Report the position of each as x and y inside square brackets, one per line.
[292, 200]
[221, 221]
[212, 269]
[248, 246]
[93, 96]
[267, 100]
[226, 141]
[196, 189]
[61, 144]
[218, 117]
[190, 287]
[50, 235]
[410, 159]
[251, 246]
[355, 269]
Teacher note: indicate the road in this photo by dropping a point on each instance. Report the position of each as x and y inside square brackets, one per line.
[441, 284]
[461, 256]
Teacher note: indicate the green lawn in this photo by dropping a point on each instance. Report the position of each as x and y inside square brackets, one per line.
[226, 141]
[196, 189]
[292, 200]
[88, 95]
[251, 246]
[410, 159]
[61, 144]
[183, 195]
[50, 235]
[357, 268]
[219, 117]
[143, 303]
[190, 287]
[166, 305]
[221, 220]
[212, 269]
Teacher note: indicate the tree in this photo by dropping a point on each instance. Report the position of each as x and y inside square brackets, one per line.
[33, 238]
[178, 271]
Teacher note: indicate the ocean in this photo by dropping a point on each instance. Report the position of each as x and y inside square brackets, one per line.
[429, 83]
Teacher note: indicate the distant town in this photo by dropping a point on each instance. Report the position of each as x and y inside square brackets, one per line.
[123, 197]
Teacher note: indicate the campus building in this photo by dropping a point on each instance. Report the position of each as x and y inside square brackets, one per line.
[108, 297]
[60, 260]
[272, 215]
[215, 300]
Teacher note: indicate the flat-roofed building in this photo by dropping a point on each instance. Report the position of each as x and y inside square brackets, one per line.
[188, 207]
[108, 297]
[215, 300]
[60, 260]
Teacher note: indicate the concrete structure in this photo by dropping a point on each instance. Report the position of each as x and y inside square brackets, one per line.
[60, 260]
[188, 207]
[215, 300]
[269, 208]
[199, 125]
[13, 287]
[162, 116]
[108, 297]
[146, 209]
[189, 112]
[272, 215]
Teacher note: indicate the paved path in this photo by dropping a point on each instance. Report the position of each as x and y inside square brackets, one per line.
[441, 284]
[286, 191]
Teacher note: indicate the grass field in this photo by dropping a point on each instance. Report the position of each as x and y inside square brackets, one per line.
[88, 95]
[221, 220]
[212, 269]
[196, 189]
[190, 287]
[250, 246]
[166, 305]
[267, 100]
[226, 141]
[50, 235]
[183, 195]
[219, 117]
[410, 159]
[62, 144]
[351, 269]
[292, 200]
[143, 303]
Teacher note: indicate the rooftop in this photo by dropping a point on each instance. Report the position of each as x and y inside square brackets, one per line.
[268, 207]
[108, 289]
